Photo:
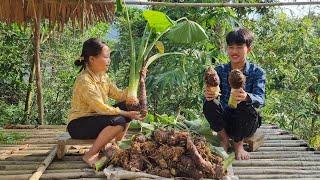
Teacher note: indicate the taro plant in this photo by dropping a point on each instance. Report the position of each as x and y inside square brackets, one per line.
[142, 53]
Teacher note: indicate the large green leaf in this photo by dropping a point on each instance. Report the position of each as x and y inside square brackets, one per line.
[158, 21]
[187, 32]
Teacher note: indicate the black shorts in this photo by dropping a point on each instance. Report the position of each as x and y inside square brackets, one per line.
[89, 127]
[238, 123]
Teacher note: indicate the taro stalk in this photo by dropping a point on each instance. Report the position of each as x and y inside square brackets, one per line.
[212, 81]
[236, 80]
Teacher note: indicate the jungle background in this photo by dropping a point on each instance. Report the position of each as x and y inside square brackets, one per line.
[286, 45]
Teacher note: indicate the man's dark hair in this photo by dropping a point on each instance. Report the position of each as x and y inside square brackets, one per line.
[240, 36]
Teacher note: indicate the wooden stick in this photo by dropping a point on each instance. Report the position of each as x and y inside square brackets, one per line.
[44, 165]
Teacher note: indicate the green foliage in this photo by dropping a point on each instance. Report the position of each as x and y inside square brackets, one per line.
[57, 54]
[10, 138]
[288, 49]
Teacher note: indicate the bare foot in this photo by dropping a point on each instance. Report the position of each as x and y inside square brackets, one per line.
[90, 160]
[241, 154]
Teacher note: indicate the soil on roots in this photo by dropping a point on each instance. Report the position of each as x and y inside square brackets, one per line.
[170, 154]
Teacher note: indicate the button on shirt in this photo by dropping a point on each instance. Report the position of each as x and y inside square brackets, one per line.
[90, 94]
[255, 83]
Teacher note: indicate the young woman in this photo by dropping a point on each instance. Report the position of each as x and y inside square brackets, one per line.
[90, 117]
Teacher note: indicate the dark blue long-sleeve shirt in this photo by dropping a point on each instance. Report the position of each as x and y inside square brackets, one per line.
[255, 83]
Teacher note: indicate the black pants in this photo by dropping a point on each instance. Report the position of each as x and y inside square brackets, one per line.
[89, 127]
[238, 123]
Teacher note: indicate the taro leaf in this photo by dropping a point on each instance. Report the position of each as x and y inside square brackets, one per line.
[227, 162]
[158, 21]
[187, 32]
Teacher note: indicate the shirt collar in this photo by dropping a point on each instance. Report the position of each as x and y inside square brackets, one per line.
[98, 78]
[245, 70]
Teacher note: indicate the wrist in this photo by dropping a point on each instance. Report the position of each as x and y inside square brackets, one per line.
[123, 113]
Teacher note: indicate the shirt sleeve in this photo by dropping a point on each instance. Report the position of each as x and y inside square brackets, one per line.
[115, 93]
[257, 96]
[95, 101]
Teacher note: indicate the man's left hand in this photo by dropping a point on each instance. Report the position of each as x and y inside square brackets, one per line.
[241, 95]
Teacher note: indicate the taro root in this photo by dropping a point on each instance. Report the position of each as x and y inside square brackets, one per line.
[212, 81]
[236, 81]
[170, 154]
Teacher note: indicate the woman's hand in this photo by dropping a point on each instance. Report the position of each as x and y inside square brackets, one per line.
[132, 115]
[209, 94]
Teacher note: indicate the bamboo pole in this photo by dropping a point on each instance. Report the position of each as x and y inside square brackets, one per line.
[265, 163]
[44, 165]
[16, 172]
[289, 144]
[37, 25]
[49, 127]
[283, 148]
[18, 162]
[15, 177]
[279, 167]
[118, 173]
[283, 156]
[282, 152]
[266, 170]
[233, 5]
[278, 176]
[23, 158]
[72, 175]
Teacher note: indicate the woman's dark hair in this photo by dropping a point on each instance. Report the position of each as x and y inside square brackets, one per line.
[240, 36]
[91, 47]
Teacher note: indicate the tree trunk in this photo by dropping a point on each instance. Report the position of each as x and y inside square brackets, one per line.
[37, 24]
[27, 107]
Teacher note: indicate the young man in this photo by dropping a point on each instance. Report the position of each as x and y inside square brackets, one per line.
[243, 121]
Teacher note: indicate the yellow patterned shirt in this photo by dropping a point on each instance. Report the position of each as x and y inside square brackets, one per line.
[90, 94]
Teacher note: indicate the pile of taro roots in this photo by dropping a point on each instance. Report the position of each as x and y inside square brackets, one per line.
[170, 154]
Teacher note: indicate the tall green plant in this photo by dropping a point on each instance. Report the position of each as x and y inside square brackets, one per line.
[158, 25]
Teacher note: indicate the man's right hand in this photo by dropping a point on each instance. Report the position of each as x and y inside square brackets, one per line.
[209, 94]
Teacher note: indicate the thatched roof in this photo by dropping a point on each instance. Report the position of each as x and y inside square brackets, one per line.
[56, 11]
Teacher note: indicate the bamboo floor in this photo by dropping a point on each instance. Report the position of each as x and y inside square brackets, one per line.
[282, 156]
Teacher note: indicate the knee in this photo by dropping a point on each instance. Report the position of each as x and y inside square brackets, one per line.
[211, 106]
